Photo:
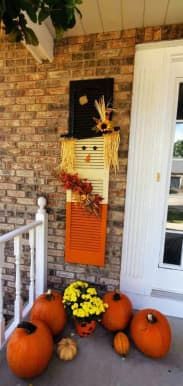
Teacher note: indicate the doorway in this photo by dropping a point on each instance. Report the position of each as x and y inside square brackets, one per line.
[152, 252]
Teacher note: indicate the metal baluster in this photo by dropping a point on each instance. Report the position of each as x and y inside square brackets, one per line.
[2, 321]
[32, 270]
[18, 299]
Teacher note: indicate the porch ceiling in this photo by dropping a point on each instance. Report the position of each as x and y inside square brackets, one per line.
[114, 15]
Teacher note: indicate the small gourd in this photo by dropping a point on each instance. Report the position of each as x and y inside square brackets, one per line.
[67, 349]
[121, 344]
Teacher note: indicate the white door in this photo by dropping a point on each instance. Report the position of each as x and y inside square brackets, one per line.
[152, 253]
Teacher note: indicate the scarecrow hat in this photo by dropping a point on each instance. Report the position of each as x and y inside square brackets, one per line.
[90, 108]
[93, 126]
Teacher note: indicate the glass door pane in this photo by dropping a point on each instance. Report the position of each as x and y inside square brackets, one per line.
[173, 249]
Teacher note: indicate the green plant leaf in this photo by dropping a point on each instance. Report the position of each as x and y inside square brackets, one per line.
[43, 14]
[2, 8]
[12, 8]
[72, 22]
[30, 37]
[31, 9]
[10, 24]
[59, 33]
[15, 36]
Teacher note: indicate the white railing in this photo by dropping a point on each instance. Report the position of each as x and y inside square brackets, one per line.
[38, 232]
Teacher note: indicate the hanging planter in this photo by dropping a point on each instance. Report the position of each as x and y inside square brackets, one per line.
[13, 17]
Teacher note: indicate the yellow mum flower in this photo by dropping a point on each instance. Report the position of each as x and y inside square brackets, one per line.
[83, 300]
[91, 291]
[74, 306]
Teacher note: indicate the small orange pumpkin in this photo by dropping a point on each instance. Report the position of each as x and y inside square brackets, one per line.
[50, 309]
[121, 344]
[29, 349]
[151, 333]
[119, 311]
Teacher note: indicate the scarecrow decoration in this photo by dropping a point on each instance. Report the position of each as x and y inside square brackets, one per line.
[84, 172]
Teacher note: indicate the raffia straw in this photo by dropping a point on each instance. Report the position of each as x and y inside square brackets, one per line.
[100, 106]
[111, 146]
[67, 155]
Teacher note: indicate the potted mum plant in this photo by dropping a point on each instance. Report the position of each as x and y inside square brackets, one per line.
[83, 304]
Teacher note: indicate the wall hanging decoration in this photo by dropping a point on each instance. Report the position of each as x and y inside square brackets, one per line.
[84, 171]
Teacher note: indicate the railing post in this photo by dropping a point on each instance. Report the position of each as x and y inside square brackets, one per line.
[18, 298]
[41, 247]
[32, 266]
[2, 321]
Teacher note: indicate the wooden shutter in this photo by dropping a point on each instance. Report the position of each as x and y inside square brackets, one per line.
[85, 232]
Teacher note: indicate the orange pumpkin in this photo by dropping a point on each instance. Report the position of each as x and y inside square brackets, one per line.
[29, 349]
[119, 311]
[50, 309]
[151, 333]
[121, 344]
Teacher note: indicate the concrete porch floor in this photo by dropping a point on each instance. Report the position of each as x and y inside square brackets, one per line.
[98, 365]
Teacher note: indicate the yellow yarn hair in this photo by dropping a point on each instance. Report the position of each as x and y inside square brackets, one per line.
[67, 155]
[111, 146]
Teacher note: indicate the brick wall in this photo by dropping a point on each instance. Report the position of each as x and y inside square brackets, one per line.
[33, 113]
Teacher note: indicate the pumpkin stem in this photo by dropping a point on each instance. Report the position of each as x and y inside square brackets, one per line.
[28, 327]
[117, 295]
[49, 295]
[151, 318]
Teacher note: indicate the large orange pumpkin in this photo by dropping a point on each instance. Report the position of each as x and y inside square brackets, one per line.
[121, 344]
[119, 311]
[50, 309]
[151, 333]
[29, 349]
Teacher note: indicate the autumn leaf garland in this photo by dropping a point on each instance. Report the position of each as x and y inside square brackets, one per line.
[82, 190]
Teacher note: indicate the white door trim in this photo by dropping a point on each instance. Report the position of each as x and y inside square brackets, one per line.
[150, 145]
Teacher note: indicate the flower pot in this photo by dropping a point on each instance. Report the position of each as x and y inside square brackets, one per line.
[85, 328]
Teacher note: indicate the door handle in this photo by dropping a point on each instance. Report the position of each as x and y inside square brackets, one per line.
[158, 177]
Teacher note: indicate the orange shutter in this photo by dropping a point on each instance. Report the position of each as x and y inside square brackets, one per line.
[85, 235]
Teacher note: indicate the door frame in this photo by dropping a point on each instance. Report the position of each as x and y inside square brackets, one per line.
[140, 253]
